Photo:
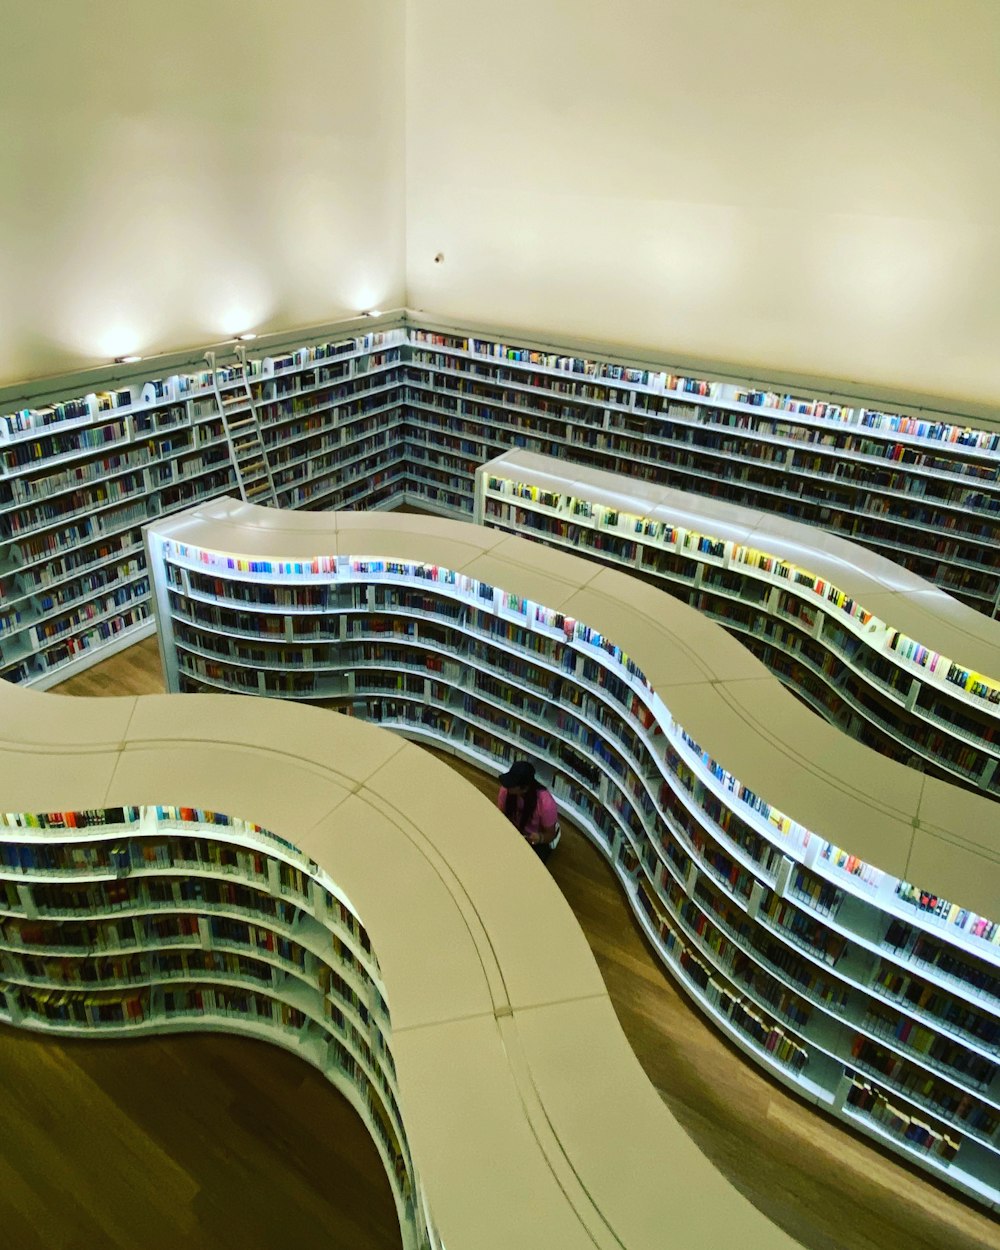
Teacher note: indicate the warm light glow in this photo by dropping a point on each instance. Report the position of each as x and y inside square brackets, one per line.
[246, 338]
[373, 312]
[127, 360]
[233, 320]
[115, 341]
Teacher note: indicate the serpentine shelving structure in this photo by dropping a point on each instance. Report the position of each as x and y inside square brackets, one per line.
[869, 645]
[334, 890]
[829, 909]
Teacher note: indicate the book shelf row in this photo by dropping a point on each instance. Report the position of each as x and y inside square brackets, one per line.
[872, 675]
[662, 382]
[194, 388]
[79, 478]
[926, 489]
[406, 414]
[793, 932]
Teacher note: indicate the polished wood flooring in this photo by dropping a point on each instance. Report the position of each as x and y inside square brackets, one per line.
[220, 1142]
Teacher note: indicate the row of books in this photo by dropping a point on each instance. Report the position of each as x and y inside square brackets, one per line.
[954, 1015]
[852, 865]
[26, 419]
[951, 913]
[912, 1035]
[823, 942]
[916, 1131]
[916, 427]
[923, 948]
[72, 1007]
[109, 935]
[227, 1000]
[159, 390]
[974, 683]
[692, 426]
[302, 357]
[820, 895]
[52, 657]
[24, 520]
[945, 1099]
[121, 971]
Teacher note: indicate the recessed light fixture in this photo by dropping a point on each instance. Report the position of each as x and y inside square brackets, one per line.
[127, 360]
[246, 338]
[373, 312]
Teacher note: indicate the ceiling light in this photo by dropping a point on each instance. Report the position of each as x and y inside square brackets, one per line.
[127, 360]
[246, 338]
[372, 312]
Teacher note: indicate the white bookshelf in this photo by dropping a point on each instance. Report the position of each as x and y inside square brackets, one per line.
[792, 901]
[138, 920]
[918, 483]
[363, 414]
[80, 476]
[874, 649]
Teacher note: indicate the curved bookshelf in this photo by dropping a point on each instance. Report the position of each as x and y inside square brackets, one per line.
[781, 870]
[865, 643]
[323, 892]
[158, 919]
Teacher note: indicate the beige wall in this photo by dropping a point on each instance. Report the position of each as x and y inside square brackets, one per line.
[175, 172]
[787, 183]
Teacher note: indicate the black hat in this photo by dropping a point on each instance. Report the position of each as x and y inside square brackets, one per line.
[521, 773]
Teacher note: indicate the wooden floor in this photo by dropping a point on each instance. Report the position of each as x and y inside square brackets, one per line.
[219, 1142]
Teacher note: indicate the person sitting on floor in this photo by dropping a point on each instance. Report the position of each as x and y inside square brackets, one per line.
[530, 808]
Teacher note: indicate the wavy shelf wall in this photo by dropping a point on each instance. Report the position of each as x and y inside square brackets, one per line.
[341, 909]
[829, 909]
[865, 642]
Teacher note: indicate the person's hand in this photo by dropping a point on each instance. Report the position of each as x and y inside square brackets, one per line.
[532, 838]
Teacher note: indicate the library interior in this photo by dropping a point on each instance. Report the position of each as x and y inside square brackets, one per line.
[394, 393]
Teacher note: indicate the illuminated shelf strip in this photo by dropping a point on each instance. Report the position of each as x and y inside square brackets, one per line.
[542, 498]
